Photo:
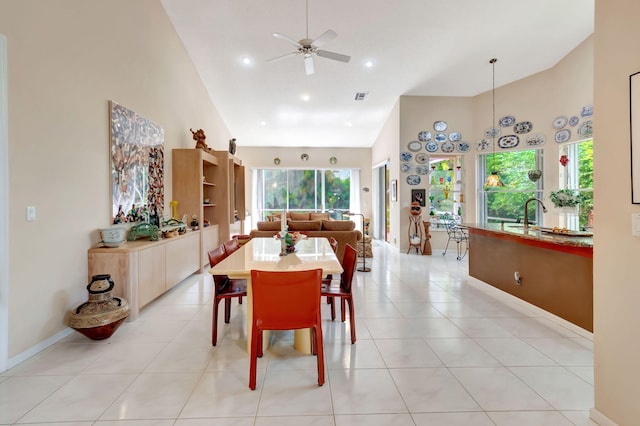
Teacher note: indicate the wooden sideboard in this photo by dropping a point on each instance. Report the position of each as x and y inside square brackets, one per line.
[144, 270]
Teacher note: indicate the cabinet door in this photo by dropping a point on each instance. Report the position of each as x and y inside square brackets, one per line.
[210, 240]
[183, 258]
[151, 274]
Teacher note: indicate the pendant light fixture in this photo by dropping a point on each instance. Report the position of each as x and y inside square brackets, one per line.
[493, 180]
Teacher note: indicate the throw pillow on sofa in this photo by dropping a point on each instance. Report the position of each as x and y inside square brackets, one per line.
[319, 216]
[338, 225]
[269, 226]
[305, 225]
[298, 216]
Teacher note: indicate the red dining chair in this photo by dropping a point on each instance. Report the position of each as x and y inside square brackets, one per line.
[327, 280]
[286, 301]
[231, 246]
[343, 291]
[224, 288]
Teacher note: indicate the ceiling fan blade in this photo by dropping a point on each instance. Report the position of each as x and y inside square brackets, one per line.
[308, 65]
[277, 58]
[285, 38]
[325, 37]
[333, 55]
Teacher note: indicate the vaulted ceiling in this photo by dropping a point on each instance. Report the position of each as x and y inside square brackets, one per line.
[397, 47]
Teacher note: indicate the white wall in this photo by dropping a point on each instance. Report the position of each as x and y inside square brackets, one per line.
[616, 283]
[67, 59]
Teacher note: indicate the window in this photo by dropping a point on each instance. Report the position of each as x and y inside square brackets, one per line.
[303, 190]
[506, 204]
[578, 175]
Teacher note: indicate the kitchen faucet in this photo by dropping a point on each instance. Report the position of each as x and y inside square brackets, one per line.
[526, 211]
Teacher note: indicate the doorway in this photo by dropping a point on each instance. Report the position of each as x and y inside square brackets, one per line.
[381, 202]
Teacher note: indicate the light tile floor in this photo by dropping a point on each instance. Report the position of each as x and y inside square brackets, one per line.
[432, 350]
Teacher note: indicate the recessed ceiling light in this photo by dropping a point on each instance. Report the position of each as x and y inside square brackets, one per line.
[348, 124]
[305, 97]
[368, 63]
[246, 61]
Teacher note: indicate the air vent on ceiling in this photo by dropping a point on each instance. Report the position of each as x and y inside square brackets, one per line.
[361, 95]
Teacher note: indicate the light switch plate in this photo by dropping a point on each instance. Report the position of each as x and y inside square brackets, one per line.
[31, 213]
[635, 224]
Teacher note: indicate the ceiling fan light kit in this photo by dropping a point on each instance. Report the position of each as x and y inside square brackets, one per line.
[309, 47]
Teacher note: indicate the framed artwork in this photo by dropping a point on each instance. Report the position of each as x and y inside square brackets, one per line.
[419, 196]
[137, 165]
[394, 190]
[634, 89]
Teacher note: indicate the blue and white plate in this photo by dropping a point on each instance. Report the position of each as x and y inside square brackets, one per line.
[484, 145]
[422, 169]
[422, 158]
[440, 126]
[431, 146]
[414, 146]
[406, 156]
[455, 136]
[559, 122]
[463, 147]
[492, 132]
[413, 180]
[587, 111]
[441, 137]
[523, 127]
[562, 135]
[586, 129]
[507, 121]
[448, 147]
[573, 121]
[508, 141]
[424, 136]
[407, 167]
[535, 140]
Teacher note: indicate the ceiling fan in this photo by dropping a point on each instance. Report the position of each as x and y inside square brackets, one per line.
[307, 47]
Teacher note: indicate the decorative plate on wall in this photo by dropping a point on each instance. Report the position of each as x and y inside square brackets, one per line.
[587, 111]
[484, 145]
[413, 180]
[562, 135]
[535, 140]
[508, 141]
[422, 169]
[414, 146]
[441, 137]
[406, 156]
[559, 122]
[422, 158]
[523, 127]
[507, 121]
[448, 147]
[431, 146]
[440, 126]
[407, 167]
[492, 132]
[463, 147]
[455, 136]
[424, 136]
[586, 129]
[573, 121]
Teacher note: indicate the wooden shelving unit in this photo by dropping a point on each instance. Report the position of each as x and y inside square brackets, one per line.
[216, 176]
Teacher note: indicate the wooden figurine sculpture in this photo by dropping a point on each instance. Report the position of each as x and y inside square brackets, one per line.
[232, 146]
[200, 137]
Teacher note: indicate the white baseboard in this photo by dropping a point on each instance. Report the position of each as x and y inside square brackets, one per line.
[503, 295]
[600, 418]
[23, 356]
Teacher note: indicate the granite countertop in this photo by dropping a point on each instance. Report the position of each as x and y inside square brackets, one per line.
[536, 233]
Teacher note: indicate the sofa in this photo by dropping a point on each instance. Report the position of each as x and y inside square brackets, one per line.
[314, 225]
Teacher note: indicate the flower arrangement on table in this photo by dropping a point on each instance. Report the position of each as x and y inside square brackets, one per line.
[291, 239]
[566, 198]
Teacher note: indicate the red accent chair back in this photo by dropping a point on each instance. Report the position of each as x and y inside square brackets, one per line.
[344, 290]
[286, 301]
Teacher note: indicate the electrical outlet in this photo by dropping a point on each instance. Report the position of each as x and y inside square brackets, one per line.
[31, 213]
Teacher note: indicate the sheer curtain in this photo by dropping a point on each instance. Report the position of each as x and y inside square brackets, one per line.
[354, 198]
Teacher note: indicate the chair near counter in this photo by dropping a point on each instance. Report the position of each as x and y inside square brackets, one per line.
[231, 246]
[343, 290]
[457, 234]
[286, 301]
[223, 288]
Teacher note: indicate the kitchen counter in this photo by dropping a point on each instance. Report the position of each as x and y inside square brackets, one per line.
[555, 270]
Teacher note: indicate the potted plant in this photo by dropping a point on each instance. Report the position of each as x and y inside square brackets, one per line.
[566, 199]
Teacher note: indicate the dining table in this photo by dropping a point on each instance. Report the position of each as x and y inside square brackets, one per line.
[266, 254]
